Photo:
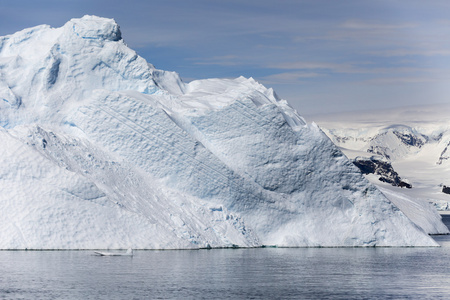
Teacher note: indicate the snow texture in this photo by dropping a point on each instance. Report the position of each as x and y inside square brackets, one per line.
[102, 150]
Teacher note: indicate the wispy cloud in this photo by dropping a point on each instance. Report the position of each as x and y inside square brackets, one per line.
[375, 27]
[407, 76]
[354, 68]
[306, 65]
[399, 80]
[288, 78]
[411, 52]
[224, 60]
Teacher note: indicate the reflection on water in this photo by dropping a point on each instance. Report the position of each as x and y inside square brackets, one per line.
[322, 273]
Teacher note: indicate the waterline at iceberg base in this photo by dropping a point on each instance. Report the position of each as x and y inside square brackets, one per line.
[101, 150]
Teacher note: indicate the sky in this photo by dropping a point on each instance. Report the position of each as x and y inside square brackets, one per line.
[323, 56]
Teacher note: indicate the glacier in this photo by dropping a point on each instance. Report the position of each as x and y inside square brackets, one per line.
[101, 150]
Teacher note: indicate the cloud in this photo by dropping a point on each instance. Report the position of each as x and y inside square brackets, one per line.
[359, 68]
[421, 38]
[224, 60]
[359, 32]
[306, 65]
[412, 52]
[288, 78]
[375, 27]
[411, 76]
[399, 80]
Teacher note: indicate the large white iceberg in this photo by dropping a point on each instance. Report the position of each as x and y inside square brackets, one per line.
[102, 150]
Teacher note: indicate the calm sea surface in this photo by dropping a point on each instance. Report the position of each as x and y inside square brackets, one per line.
[269, 273]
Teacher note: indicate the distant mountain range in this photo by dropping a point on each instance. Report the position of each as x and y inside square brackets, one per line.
[414, 140]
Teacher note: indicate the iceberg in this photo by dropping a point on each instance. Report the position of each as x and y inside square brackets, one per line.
[101, 150]
[103, 253]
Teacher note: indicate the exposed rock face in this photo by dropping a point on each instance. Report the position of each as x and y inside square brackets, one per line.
[384, 169]
[446, 189]
[445, 154]
[396, 141]
[415, 140]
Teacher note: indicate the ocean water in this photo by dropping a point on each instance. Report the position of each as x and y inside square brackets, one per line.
[265, 273]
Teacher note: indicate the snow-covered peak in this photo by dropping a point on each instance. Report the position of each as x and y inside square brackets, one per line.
[40, 39]
[93, 27]
[46, 72]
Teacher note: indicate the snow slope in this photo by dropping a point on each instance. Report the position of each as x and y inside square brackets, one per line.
[103, 150]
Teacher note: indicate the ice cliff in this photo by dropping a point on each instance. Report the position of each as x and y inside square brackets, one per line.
[102, 150]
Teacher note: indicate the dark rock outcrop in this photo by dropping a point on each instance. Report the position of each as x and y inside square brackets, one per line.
[446, 189]
[445, 154]
[384, 169]
[410, 139]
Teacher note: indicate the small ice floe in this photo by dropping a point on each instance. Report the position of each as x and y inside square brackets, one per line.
[128, 253]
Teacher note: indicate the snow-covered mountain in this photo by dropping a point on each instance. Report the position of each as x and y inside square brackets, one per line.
[102, 150]
[415, 140]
